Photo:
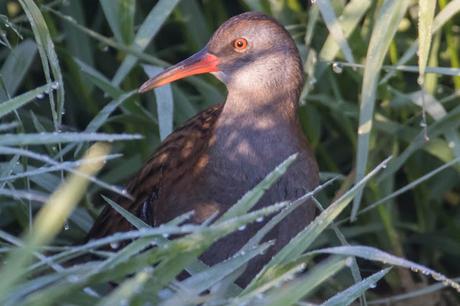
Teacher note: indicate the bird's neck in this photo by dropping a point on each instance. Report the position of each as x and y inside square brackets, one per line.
[255, 124]
[260, 110]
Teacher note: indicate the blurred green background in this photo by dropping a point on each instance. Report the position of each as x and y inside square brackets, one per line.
[361, 65]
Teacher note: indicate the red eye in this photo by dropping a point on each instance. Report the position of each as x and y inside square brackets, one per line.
[240, 44]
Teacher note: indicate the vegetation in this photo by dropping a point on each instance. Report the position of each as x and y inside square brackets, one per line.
[389, 229]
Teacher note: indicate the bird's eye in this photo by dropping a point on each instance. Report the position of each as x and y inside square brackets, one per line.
[240, 44]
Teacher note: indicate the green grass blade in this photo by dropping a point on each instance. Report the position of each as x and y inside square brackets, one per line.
[351, 16]
[50, 138]
[135, 221]
[297, 289]
[335, 30]
[19, 101]
[305, 238]
[129, 288]
[145, 34]
[120, 16]
[374, 254]
[425, 23]
[348, 296]
[253, 196]
[164, 102]
[16, 65]
[449, 11]
[50, 220]
[391, 13]
[48, 56]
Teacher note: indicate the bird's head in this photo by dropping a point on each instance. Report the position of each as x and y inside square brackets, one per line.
[248, 52]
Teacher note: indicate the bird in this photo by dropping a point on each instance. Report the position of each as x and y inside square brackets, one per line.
[218, 155]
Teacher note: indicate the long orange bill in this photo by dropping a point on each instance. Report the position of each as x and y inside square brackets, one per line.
[201, 62]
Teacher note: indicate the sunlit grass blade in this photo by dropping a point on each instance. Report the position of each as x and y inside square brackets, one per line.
[351, 16]
[374, 254]
[335, 29]
[349, 295]
[50, 220]
[50, 138]
[425, 22]
[450, 10]
[391, 13]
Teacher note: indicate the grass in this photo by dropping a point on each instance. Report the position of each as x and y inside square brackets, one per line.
[388, 230]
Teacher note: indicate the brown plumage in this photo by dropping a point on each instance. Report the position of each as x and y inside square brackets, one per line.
[224, 151]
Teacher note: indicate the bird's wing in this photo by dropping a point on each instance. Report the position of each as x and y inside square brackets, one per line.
[177, 155]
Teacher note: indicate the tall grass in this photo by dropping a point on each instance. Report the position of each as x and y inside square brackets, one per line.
[382, 80]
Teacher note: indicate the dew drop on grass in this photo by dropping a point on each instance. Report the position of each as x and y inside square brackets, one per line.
[40, 96]
[260, 219]
[55, 85]
[259, 296]
[73, 279]
[372, 286]
[66, 226]
[242, 228]
[337, 67]
[349, 262]
[114, 245]
[420, 80]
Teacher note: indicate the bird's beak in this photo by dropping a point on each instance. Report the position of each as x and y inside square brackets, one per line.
[201, 62]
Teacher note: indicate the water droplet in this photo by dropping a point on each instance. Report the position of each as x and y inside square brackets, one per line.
[66, 226]
[73, 279]
[40, 96]
[420, 80]
[372, 286]
[337, 67]
[165, 235]
[259, 296]
[114, 245]
[349, 262]
[55, 85]
[260, 219]
[242, 228]
[7, 25]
